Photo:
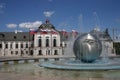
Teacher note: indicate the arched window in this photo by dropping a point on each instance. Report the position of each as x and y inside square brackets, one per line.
[16, 52]
[55, 52]
[40, 52]
[21, 45]
[11, 52]
[31, 52]
[39, 42]
[54, 43]
[11, 45]
[16, 45]
[47, 41]
[24, 37]
[0, 45]
[6, 45]
[26, 45]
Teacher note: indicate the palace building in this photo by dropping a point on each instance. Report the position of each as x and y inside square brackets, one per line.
[43, 42]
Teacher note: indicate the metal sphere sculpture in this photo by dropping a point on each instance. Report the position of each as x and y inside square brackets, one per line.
[87, 47]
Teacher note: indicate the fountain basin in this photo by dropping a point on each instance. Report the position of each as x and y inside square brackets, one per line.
[87, 49]
[78, 65]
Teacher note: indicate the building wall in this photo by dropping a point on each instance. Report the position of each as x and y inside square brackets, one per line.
[14, 48]
[50, 50]
[107, 49]
[32, 48]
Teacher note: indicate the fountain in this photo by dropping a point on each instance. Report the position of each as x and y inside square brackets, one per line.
[87, 49]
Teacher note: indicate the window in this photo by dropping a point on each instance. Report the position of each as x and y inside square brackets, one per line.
[65, 45]
[15, 37]
[21, 45]
[16, 52]
[24, 37]
[11, 52]
[0, 45]
[39, 42]
[26, 52]
[32, 44]
[2, 36]
[11, 45]
[26, 45]
[16, 45]
[6, 46]
[47, 42]
[61, 45]
[40, 52]
[31, 52]
[55, 52]
[54, 43]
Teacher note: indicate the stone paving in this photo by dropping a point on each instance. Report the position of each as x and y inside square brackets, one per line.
[13, 76]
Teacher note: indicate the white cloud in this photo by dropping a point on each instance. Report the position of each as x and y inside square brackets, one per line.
[48, 13]
[30, 24]
[2, 6]
[25, 25]
[18, 31]
[11, 25]
[37, 23]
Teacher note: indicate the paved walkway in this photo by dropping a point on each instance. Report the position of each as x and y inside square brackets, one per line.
[13, 76]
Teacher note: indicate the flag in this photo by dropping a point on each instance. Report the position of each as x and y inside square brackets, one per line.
[43, 31]
[32, 31]
[54, 32]
[65, 33]
[74, 33]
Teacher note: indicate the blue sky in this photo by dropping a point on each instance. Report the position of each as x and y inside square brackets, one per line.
[80, 15]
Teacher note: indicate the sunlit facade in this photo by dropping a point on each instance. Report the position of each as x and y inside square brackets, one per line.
[46, 41]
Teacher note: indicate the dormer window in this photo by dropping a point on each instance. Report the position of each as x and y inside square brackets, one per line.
[24, 37]
[15, 37]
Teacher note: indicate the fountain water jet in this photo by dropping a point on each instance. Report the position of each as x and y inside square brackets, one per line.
[87, 49]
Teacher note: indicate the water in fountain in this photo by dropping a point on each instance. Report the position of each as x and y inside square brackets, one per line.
[105, 57]
[87, 49]
[68, 51]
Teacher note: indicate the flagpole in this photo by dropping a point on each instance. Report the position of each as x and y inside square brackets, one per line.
[51, 41]
[29, 41]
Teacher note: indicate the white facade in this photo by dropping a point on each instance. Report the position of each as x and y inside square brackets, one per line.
[38, 47]
[47, 44]
[14, 48]
[21, 44]
[107, 49]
